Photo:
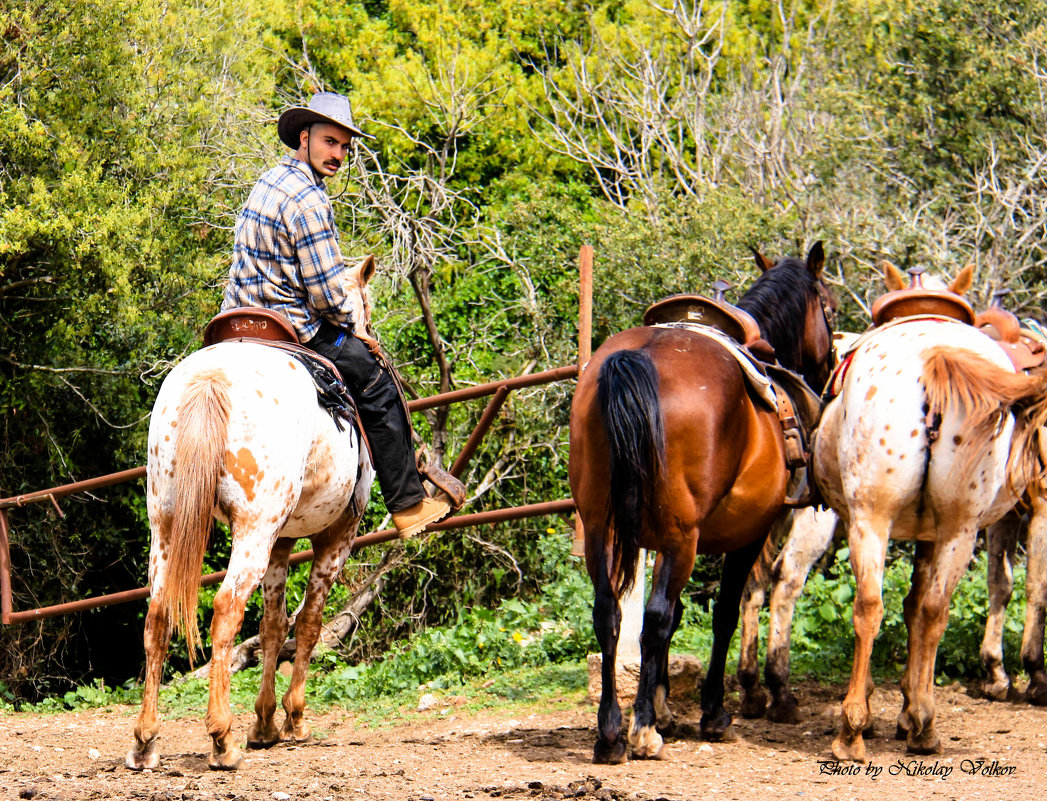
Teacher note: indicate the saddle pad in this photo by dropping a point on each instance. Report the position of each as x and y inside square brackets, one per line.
[752, 369]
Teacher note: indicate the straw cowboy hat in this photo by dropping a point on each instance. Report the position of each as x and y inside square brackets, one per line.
[323, 107]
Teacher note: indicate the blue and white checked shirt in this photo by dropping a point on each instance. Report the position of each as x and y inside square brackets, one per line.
[286, 254]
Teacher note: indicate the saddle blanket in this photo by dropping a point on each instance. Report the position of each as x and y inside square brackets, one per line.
[752, 369]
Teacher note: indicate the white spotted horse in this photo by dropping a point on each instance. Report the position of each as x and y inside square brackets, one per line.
[672, 452]
[238, 433]
[806, 535]
[930, 438]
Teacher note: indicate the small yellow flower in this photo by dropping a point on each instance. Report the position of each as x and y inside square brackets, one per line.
[517, 636]
[550, 531]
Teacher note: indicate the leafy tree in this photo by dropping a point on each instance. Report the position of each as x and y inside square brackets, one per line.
[113, 113]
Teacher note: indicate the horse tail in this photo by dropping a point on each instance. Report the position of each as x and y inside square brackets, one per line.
[953, 378]
[201, 433]
[632, 417]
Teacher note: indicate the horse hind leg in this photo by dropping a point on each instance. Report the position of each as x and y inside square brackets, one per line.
[716, 722]
[242, 578]
[811, 537]
[754, 699]
[1001, 541]
[663, 714]
[1036, 604]
[939, 567]
[868, 543]
[610, 748]
[661, 616]
[330, 551]
[146, 753]
[272, 634]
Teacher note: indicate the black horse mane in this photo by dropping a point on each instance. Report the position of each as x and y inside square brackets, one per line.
[778, 302]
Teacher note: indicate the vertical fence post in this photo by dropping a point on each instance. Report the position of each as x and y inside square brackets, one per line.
[5, 570]
[585, 352]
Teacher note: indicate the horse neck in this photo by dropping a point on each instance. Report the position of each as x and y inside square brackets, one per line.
[789, 313]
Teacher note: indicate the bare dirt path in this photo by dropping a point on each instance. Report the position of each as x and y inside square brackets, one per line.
[993, 751]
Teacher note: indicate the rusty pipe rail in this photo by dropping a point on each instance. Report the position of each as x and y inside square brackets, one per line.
[417, 405]
[500, 389]
[374, 538]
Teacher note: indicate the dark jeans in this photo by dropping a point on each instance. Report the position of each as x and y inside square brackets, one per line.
[383, 414]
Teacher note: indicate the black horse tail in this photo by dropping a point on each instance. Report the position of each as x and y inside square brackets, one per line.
[632, 417]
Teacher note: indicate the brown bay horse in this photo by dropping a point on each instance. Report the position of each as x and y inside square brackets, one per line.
[670, 452]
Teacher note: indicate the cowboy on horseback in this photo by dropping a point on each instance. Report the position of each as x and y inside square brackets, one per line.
[286, 258]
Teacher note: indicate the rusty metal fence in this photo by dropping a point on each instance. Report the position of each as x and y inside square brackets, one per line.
[499, 392]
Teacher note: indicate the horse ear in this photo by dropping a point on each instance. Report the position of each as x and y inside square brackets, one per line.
[892, 277]
[762, 262]
[367, 269]
[963, 280]
[816, 259]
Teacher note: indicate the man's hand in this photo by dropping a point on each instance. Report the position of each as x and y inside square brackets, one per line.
[369, 341]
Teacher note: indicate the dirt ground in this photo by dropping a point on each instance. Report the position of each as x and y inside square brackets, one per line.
[993, 751]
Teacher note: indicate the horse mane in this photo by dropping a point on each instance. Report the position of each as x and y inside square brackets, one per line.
[778, 302]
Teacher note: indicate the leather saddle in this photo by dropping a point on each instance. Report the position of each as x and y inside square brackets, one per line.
[714, 312]
[249, 322]
[268, 327]
[917, 301]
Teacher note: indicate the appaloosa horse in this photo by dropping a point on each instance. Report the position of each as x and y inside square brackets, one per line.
[237, 433]
[806, 534]
[917, 446]
[670, 452]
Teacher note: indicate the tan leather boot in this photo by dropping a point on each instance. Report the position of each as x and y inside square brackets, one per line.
[414, 519]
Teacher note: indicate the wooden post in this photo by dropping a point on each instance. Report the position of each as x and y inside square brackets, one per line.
[585, 352]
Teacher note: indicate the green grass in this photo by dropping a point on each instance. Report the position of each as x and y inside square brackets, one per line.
[550, 687]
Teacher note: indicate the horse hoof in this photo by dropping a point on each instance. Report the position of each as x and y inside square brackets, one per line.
[295, 734]
[785, 712]
[667, 729]
[148, 759]
[996, 690]
[753, 708]
[228, 760]
[605, 753]
[1036, 693]
[848, 751]
[262, 737]
[924, 744]
[645, 742]
[661, 754]
[717, 728]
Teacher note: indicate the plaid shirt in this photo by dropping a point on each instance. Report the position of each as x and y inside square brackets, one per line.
[286, 254]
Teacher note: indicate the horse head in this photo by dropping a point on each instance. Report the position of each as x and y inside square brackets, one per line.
[358, 292]
[895, 280]
[795, 309]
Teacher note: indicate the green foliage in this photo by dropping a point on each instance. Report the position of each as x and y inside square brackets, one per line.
[113, 114]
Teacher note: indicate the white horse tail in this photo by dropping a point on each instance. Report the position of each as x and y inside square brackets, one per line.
[201, 432]
[953, 378]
